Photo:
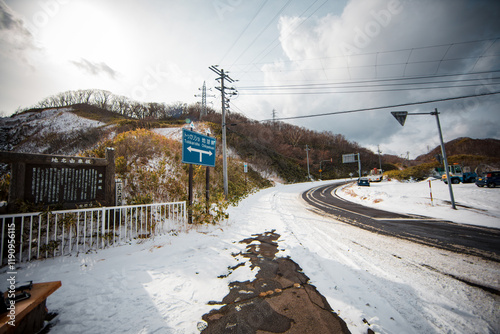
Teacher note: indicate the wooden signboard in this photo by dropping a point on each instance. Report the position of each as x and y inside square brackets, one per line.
[55, 179]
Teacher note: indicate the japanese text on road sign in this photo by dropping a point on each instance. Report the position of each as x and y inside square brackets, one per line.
[198, 149]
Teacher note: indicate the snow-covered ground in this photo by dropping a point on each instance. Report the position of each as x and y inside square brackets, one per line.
[476, 206]
[171, 133]
[56, 120]
[176, 132]
[26, 130]
[393, 286]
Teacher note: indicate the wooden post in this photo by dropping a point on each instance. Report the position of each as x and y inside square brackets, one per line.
[207, 189]
[190, 195]
[17, 182]
[109, 189]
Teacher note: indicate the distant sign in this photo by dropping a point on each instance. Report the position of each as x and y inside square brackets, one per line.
[119, 192]
[198, 149]
[347, 158]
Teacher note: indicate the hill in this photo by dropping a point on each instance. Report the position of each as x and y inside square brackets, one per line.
[146, 138]
[280, 148]
[475, 153]
[148, 163]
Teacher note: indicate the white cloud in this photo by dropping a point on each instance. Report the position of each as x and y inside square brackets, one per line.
[15, 38]
[95, 68]
[373, 40]
[160, 51]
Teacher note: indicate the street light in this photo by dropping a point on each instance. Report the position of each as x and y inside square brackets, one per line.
[400, 116]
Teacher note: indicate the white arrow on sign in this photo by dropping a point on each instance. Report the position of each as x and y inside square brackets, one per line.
[190, 149]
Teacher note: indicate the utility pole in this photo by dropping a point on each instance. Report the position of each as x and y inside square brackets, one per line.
[379, 159]
[222, 89]
[307, 155]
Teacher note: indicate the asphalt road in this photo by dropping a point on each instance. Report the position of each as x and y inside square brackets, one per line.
[467, 239]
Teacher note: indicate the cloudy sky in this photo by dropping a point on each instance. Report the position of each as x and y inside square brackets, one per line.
[302, 58]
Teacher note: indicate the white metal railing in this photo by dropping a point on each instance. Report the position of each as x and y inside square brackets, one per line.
[27, 236]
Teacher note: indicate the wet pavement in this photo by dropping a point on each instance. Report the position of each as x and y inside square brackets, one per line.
[278, 300]
[466, 239]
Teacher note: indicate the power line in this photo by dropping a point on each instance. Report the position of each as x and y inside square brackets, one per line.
[377, 66]
[492, 40]
[364, 91]
[335, 86]
[244, 30]
[290, 33]
[382, 107]
[262, 31]
[377, 80]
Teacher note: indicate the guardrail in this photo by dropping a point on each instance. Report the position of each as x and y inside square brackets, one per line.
[29, 236]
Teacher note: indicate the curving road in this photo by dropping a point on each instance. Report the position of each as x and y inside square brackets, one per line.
[467, 239]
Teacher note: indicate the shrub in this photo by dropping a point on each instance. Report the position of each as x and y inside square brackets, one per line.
[417, 173]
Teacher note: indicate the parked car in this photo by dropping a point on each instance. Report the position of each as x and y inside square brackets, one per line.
[363, 181]
[490, 179]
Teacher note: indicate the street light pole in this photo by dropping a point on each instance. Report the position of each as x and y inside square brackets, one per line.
[401, 118]
[445, 160]
[307, 155]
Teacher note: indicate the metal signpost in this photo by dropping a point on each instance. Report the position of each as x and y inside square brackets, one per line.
[197, 149]
[245, 170]
[348, 158]
[401, 118]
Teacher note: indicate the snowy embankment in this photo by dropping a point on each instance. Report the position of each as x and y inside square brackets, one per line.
[164, 285]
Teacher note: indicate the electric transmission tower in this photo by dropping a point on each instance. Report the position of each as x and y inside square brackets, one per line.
[203, 100]
[224, 101]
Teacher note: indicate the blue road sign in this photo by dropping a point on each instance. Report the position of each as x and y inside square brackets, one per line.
[198, 149]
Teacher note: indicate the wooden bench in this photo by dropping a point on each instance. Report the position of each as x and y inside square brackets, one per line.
[31, 312]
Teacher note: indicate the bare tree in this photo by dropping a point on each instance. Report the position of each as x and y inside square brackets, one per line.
[137, 110]
[293, 134]
[83, 96]
[101, 98]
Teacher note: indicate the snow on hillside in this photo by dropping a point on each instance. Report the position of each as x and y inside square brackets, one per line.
[171, 133]
[176, 132]
[35, 125]
[58, 120]
[370, 280]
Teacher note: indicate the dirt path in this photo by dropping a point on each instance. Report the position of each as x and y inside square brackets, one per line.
[278, 300]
